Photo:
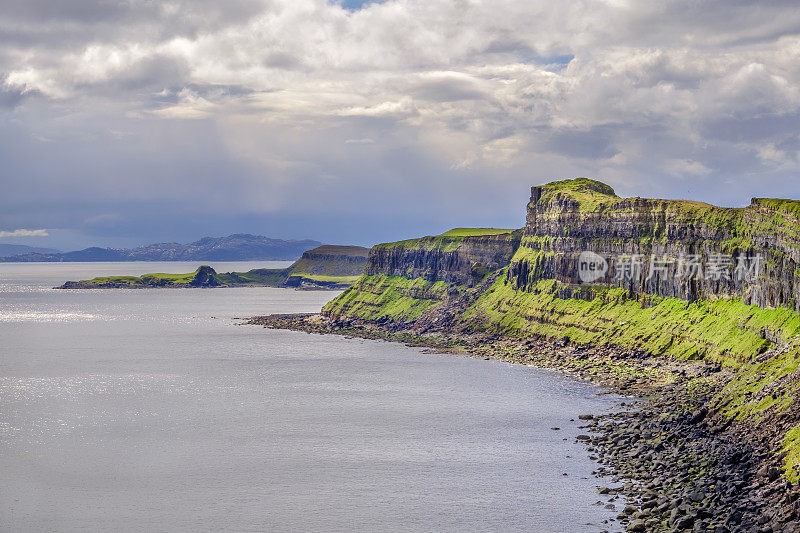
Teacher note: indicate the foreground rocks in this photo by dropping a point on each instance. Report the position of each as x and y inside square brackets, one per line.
[677, 464]
[681, 471]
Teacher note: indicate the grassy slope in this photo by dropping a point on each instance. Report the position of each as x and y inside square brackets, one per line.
[145, 280]
[727, 331]
[474, 232]
[394, 297]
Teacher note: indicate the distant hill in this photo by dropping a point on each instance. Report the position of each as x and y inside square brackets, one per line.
[238, 247]
[325, 267]
[19, 249]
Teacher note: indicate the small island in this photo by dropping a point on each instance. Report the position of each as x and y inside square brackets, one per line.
[325, 267]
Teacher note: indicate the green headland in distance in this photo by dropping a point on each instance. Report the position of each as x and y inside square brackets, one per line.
[324, 267]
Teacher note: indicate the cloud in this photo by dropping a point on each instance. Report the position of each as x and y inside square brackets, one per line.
[24, 233]
[164, 112]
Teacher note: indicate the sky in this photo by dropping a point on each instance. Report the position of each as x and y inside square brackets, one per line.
[127, 122]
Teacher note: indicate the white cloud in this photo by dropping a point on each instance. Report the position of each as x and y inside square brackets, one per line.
[24, 233]
[291, 92]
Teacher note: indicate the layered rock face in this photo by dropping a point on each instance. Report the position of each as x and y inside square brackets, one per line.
[668, 248]
[405, 280]
[451, 257]
[328, 266]
[671, 277]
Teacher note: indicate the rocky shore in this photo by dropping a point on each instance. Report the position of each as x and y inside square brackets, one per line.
[676, 463]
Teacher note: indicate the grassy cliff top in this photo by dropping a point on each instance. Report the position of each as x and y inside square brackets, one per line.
[592, 193]
[448, 241]
[474, 232]
[595, 196]
[334, 249]
[584, 185]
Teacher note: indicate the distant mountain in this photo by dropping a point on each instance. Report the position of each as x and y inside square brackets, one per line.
[238, 247]
[18, 249]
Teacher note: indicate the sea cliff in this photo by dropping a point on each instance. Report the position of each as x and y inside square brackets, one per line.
[691, 305]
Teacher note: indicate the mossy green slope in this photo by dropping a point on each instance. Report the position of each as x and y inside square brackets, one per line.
[148, 280]
[388, 297]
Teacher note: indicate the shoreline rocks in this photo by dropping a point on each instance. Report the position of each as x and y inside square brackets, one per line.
[679, 465]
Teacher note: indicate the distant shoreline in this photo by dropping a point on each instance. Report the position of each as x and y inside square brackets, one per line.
[326, 267]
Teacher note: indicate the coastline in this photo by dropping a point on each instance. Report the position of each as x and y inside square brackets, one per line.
[680, 465]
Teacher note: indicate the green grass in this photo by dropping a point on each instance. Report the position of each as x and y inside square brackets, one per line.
[145, 280]
[173, 278]
[580, 185]
[724, 330]
[327, 278]
[789, 207]
[122, 280]
[267, 277]
[450, 241]
[381, 296]
[791, 445]
[474, 232]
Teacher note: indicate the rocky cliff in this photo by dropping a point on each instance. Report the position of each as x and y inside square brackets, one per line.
[683, 278]
[669, 248]
[328, 266]
[670, 279]
[406, 279]
[462, 256]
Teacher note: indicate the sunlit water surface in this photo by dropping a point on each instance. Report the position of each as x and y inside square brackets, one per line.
[154, 410]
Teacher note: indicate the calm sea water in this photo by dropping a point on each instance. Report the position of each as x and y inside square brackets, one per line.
[153, 410]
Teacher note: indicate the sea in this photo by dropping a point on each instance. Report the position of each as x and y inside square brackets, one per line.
[159, 410]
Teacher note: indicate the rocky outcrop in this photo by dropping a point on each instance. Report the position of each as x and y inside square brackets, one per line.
[205, 276]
